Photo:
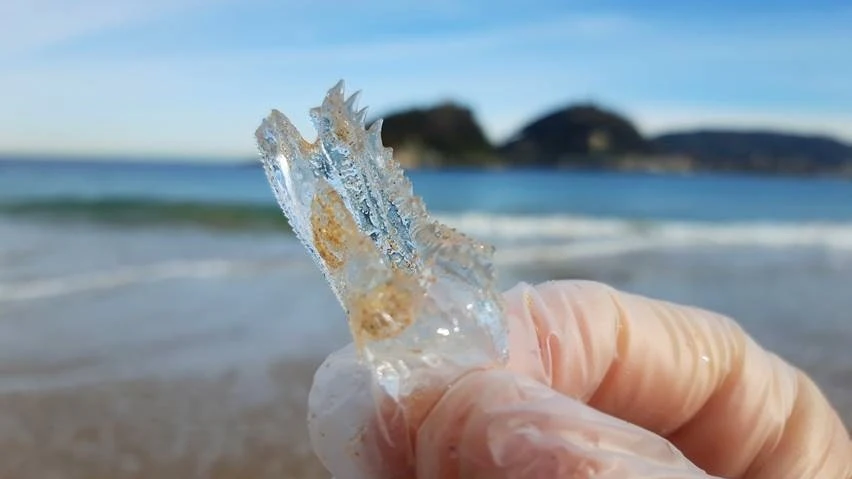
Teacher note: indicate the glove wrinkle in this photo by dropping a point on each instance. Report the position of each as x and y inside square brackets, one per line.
[600, 384]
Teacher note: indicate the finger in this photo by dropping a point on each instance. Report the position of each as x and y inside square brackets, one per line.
[341, 406]
[496, 424]
[688, 374]
[358, 431]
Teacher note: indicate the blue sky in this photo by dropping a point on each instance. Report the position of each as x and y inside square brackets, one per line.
[194, 77]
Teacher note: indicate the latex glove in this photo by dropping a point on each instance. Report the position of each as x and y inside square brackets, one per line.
[601, 384]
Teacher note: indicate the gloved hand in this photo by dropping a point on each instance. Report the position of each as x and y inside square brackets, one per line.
[600, 384]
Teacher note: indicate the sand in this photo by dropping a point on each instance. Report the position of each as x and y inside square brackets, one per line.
[182, 427]
[168, 428]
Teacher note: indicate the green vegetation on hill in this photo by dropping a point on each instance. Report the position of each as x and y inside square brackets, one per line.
[590, 137]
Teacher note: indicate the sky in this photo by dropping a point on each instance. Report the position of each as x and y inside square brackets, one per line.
[193, 78]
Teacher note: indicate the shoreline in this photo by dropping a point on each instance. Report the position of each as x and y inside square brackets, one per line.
[213, 390]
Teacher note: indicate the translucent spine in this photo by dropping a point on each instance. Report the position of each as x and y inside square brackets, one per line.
[418, 295]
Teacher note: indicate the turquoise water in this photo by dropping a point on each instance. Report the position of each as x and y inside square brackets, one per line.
[529, 193]
[116, 271]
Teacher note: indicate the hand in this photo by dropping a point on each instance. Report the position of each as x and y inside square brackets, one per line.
[601, 384]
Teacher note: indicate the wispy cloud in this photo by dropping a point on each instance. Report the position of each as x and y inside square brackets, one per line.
[659, 120]
[29, 25]
[199, 76]
[468, 41]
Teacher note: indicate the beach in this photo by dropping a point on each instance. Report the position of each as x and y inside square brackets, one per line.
[186, 347]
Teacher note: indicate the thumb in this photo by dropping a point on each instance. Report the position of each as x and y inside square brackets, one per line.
[499, 424]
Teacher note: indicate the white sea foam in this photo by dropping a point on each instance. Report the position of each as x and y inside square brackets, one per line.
[525, 239]
[520, 240]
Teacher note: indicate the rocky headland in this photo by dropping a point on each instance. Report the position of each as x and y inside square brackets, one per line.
[589, 137]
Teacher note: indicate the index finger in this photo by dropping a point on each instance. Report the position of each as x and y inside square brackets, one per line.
[690, 375]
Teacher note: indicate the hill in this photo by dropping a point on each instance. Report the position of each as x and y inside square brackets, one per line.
[763, 151]
[574, 134]
[443, 136]
[586, 136]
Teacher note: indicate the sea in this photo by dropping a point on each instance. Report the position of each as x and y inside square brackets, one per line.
[160, 319]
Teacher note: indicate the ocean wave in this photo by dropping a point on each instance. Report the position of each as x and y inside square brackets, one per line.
[145, 212]
[520, 238]
[525, 239]
[149, 273]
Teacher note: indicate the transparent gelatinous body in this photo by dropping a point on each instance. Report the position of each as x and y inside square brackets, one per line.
[419, 296]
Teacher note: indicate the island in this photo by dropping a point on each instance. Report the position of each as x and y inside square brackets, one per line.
[445, 135]
[760, 151]
[589, 137]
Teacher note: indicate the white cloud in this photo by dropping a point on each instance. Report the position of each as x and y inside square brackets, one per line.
[455, 45]
[209, 101]
[657, 120]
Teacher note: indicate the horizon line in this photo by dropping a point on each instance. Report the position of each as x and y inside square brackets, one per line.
[162, 156]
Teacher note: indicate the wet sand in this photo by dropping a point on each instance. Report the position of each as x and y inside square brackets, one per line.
[178, 428]
[179, 354]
